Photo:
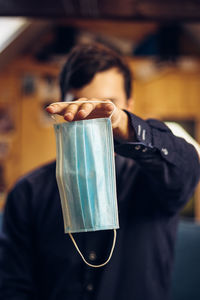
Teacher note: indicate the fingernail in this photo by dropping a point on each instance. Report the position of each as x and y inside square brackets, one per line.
[50, 109]
[68, 116]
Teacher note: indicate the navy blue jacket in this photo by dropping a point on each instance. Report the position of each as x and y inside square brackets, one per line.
[156, 175]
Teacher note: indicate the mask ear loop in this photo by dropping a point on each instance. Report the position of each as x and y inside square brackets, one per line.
[83, 258]
[114, 230]
[54, 118]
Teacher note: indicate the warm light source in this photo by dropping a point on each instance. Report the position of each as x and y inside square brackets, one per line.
[178, 130]
[10, 28]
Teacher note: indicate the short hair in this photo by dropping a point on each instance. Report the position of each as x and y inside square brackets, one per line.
[85, 60]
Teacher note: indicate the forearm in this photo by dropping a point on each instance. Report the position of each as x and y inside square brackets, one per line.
[170, 163]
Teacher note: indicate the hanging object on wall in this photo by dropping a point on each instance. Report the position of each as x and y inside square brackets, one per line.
[28, 84]
[6, 122]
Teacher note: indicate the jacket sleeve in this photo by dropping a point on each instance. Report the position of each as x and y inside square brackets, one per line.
[16, 249]
[169, 162]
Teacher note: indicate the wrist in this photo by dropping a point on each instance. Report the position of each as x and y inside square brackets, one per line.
[123, 130]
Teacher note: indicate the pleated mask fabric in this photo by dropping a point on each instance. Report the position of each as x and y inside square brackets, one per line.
[85, 173]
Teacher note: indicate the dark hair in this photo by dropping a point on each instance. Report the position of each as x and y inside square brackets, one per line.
[85, 60]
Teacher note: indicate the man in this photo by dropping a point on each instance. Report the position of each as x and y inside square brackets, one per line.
[156, 174]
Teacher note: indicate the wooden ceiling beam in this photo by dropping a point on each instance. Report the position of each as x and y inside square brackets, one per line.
[136, 10]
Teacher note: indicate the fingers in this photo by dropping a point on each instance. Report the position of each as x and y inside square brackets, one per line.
[60, 107]
[56, 108]
[79, 111]
[70, 112]
[85, 110]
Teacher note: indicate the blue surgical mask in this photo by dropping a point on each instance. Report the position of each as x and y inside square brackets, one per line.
[85, 173]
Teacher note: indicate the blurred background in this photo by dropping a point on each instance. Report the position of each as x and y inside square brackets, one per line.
[161, 42]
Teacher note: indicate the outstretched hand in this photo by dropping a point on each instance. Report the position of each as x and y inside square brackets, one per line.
[81, 111]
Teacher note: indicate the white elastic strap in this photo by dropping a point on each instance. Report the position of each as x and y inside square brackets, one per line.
[54, 118]
[95, 101]
[83, 258]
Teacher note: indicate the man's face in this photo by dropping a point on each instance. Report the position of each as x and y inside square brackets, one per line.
[105, 85]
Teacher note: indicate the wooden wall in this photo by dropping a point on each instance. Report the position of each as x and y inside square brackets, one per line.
[31, 142]
[167, 92]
